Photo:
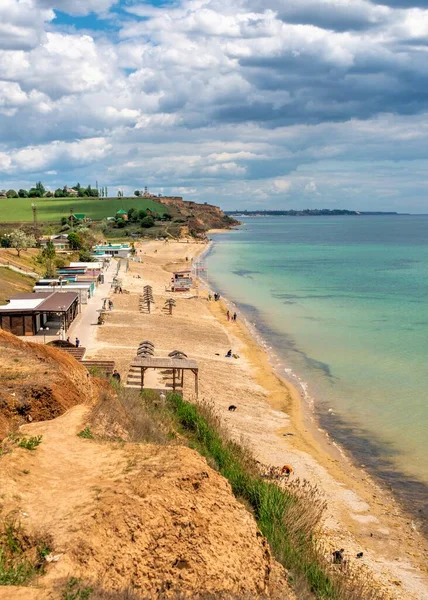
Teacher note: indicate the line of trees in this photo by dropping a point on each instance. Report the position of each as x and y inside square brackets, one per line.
[39, 191]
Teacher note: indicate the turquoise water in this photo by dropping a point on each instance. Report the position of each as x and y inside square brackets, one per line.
[344, 303]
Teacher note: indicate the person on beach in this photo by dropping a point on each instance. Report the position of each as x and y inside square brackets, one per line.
[209, 297]
[77, 342]
[234, 316]
[110, 304]
[228, 315]
[229, 354]
[116, 376]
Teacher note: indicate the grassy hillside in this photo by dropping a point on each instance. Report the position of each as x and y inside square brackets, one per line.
[52, 209]
[12, 283]
[25, 262]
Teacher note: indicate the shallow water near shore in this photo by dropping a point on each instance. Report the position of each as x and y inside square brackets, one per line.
[343, 301]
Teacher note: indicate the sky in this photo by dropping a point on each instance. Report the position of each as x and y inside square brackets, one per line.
[242, 103]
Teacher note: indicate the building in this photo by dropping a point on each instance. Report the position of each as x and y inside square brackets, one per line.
[85, 290]
[122, 214]
[181, 281]
[70, 191]
[119, 250]
[59, 241]
[27, 313]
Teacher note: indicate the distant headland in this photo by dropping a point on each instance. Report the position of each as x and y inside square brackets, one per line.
[313, 212]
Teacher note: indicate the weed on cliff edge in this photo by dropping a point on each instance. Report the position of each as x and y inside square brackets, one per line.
[22, 556]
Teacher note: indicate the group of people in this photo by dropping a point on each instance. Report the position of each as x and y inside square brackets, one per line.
[110, 303]
[231, 317]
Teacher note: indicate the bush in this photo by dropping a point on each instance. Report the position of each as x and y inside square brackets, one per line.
[30, 443]
[147, 221]
[22, 557]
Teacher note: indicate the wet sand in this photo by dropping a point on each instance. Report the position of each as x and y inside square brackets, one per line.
[361, 517]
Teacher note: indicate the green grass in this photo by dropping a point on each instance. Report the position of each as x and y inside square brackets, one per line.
[14, 210]
[30, 443]
[12, 283]
[75, 590]
[287, 517]
[18, 561]
[86, 434]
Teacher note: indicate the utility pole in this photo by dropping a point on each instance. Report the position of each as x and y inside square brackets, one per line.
[34, 209]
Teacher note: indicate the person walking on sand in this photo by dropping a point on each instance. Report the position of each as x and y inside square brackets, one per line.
[110, 304]
[228, 315]
[77, 342]
[234, 316]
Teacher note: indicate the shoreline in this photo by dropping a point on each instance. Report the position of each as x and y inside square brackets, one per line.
[313, 436]
[334, 433]
[360, 515]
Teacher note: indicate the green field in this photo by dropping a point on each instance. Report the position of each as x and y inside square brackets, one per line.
[13, 210]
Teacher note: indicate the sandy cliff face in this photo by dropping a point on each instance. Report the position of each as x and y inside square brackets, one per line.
[156, 520]
[37, 382]
[200, 217]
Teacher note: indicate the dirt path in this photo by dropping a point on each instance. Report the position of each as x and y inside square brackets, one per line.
[133, 516]
[85, 325]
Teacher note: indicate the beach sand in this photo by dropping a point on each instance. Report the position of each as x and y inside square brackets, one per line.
[361, 516]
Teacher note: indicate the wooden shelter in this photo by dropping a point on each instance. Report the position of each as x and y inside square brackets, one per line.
[177, 365]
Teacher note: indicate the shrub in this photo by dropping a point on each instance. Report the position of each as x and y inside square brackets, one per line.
[86, 434]
[30, 443]
[21, 556]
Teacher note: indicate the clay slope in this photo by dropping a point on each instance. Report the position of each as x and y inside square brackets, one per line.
[151, 520]
[37, 382]
[155, 519]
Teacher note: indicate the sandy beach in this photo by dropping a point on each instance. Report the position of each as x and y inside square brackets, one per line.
[270, 418]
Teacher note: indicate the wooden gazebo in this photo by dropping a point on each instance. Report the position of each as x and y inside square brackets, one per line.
[176, 365]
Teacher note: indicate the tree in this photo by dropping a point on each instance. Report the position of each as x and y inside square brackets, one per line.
[48, 257]
[75, 241]
[23, 193]
[40, 187]
[11, 194]
[147, 222]
[35, 193]
[137, 193]
[5, 241]
[166, 217]
[21, 241]
[85, 255]
[59, 193]
[132, 215]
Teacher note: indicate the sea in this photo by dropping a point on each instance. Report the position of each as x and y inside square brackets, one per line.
[342, 304]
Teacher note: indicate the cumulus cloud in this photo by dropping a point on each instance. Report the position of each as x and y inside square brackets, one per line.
[265, 102]
[78, 7]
